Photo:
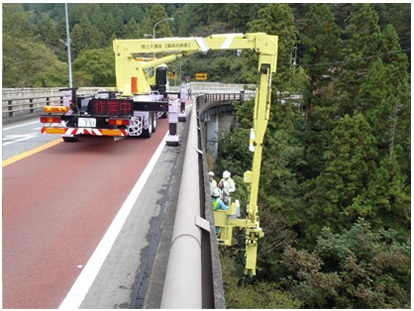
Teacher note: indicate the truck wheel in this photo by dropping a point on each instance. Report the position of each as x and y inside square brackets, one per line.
[146, 133]
[154, 122]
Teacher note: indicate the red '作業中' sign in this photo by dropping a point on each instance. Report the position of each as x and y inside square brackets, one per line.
[112, 107]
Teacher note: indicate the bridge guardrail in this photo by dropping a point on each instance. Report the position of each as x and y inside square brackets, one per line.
[28, 102]
[192, 280]
[28, 105]
[18, 103]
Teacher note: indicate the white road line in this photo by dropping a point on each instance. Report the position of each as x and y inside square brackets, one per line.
[13, 127]
[80, 288]
[16, 139]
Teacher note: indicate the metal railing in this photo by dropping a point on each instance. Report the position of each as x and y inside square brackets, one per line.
[209, 101]
[22, 106]
[17, 103]
[23, 103]
[215, 87]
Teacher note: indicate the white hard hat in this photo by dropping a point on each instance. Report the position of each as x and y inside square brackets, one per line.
[215, 193]
[226, 174]
[210, 174]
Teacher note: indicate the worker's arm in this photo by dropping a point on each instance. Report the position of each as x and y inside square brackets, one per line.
[222, 206]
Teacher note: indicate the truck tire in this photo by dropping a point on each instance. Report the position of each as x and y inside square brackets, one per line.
[154, 122]
[146, 133]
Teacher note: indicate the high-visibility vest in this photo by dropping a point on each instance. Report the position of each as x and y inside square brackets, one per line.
[215, 203]
[213, 184]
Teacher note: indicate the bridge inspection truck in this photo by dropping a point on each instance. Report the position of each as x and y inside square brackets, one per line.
[142, 96]
[130, 110]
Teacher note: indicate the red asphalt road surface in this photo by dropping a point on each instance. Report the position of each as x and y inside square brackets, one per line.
[57, 205]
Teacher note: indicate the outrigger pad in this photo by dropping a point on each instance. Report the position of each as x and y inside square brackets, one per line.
[172, 140]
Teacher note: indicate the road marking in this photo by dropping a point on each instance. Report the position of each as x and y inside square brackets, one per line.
[13, 127]
[31, 152]
[80, 288]
[17, 138]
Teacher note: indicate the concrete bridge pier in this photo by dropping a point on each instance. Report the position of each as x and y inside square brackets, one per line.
[212, 134]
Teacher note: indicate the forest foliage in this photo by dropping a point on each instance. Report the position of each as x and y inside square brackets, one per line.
[335, 188]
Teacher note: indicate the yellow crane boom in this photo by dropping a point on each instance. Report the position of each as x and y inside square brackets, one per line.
[129, 70]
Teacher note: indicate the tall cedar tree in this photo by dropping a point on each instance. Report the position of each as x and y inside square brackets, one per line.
[362, 46]
[321, 43]
[349, 161]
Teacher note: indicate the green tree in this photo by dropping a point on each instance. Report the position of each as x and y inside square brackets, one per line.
[22, 56]
[377, 101]
[186, 19]
[61, 29]
[76, 41]
[95, 68]
[132, 30]
[91, 38]
[277, 19]
[274, 19]
[16, 21]
[109, 28]
[155, 14]
[350, 161]
[384, 96]
[119, 26]
[399, 97]
[357, 268]
[135, 11]
[241, 293]
[399, 16]
[27, 62]
[386, 201]
[101, 26]
[321, 42]
[47, 30]
[361, 45]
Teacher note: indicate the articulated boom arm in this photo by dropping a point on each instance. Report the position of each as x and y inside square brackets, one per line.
[131, 78]
[129, 70]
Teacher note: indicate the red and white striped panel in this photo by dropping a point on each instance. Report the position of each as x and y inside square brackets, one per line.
[84, 131]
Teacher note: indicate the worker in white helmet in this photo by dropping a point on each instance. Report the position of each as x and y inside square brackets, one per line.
[213, 182]
[218, 204]
[228, 187]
